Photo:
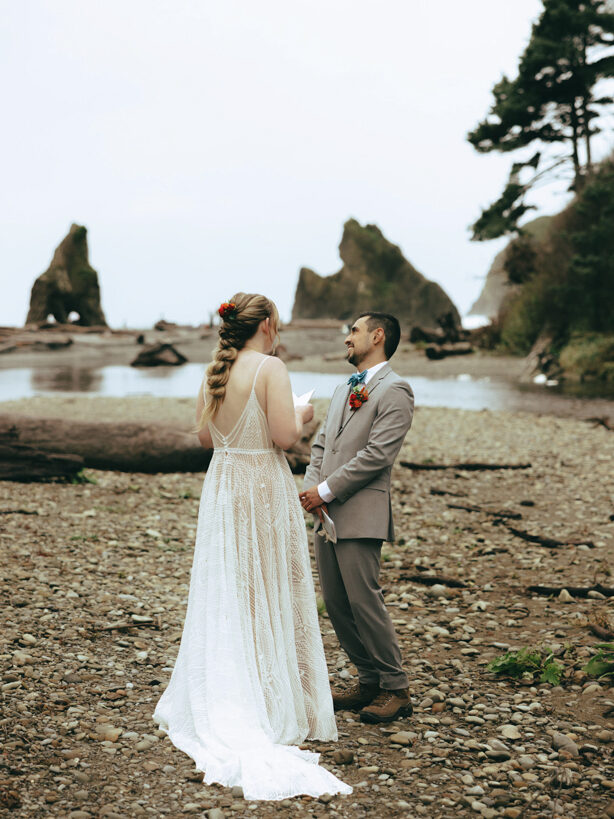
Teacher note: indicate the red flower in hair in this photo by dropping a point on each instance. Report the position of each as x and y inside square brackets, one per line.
[228, 308]
[358, 396]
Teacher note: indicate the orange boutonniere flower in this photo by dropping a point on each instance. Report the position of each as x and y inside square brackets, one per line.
[228, 308]
[358, 396]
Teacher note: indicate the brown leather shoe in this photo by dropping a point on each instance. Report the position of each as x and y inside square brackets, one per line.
[356, 697]
[388, 706]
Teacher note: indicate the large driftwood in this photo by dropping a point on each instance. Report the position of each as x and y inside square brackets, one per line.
[435, 352]
[125, 447]
[19, 462]
[469, 467]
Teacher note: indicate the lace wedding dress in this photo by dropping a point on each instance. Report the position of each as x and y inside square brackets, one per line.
[250, 680]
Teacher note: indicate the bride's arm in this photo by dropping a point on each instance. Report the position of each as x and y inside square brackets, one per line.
[285, 422]
[204, 436]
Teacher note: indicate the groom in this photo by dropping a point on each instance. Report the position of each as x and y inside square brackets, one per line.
[349, 477]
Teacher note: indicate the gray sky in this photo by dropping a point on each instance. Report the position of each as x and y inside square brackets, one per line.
[211, 147]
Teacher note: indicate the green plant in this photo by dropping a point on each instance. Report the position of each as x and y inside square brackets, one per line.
[603, 662]
[321, 605]
[526, 663]
[82, 477]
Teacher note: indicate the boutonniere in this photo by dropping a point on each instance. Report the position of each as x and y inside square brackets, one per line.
[358, 396]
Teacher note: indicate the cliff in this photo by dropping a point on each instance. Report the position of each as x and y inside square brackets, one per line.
[375, 276]
[497, 286]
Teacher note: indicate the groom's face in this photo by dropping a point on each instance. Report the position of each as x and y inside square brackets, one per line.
[358, 342]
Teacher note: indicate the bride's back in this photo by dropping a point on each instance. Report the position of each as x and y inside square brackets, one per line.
[238, 390]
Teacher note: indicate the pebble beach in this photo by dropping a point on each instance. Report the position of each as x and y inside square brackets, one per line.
[94, 586]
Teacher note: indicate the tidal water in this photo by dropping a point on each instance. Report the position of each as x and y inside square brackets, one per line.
[460, 392]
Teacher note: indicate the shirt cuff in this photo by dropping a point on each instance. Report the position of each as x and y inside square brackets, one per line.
[325, 493]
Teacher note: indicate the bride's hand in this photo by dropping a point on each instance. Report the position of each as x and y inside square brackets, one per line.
[306, 413]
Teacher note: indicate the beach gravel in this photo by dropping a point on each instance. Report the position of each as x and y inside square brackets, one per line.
[94, 584]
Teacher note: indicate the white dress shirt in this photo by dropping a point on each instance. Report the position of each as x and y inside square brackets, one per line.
[323, 488]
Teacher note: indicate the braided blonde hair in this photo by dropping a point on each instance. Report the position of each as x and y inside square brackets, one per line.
[235, 331]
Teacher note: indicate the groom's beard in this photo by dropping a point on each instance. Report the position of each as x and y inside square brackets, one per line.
[353, 357]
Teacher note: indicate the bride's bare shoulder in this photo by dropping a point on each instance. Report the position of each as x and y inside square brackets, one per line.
[273, 365]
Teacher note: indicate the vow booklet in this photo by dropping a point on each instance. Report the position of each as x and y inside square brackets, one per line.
[328, 528]
[302, 400]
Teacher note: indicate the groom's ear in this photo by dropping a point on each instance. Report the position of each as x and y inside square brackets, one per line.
[379, 335]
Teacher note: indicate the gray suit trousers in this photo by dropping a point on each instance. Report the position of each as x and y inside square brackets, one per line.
[349, 577]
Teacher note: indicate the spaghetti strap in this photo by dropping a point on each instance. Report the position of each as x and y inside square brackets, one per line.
[258, 370]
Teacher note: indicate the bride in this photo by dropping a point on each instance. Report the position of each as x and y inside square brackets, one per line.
[250, 681]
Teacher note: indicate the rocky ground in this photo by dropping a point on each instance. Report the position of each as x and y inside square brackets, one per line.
[94, 584]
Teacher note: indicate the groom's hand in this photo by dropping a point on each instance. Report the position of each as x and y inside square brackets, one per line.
[310, 499]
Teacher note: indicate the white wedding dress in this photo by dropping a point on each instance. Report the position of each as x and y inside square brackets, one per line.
[250, 681]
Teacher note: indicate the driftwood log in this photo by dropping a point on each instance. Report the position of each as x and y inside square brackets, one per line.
[435, 352]
[125, 447]
[19, 462]
[159, 354]
[548, 542]
[501, 513]
[469, 467]
[432, 580]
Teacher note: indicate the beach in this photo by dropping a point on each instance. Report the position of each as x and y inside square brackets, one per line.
[95, 583]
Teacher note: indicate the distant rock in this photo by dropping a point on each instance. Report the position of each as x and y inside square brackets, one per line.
[375, 276]
[69, 284]
[497, 286]
[158, 354]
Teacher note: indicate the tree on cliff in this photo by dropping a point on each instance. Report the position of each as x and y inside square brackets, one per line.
[552, 102]
[570, 291]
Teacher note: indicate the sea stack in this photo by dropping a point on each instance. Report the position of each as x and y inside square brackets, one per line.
[375, 276]
[70, 284]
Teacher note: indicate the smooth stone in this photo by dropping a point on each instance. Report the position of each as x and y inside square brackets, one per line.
[604, 736]
[237, 792]
[510, 732]
[326, 798]
[401, 738]
[215, 813]
[561, 742]
[565, 596]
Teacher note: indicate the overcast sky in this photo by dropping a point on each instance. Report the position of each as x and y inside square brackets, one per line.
[211, 147]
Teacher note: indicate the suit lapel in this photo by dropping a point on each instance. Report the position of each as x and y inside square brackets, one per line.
[371, 387]
[337, 413]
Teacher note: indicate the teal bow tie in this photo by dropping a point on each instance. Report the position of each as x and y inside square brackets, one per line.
[357, 378]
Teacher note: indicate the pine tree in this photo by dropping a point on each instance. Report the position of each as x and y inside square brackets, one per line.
[553, 101]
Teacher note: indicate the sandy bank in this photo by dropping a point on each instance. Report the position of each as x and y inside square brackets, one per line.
[315, 346]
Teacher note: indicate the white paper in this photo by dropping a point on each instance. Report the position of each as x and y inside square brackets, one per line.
[302, 400]
[328, 528]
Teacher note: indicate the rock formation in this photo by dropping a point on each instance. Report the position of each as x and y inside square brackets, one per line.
[69, 284]
[159, 354]
[375, 276]
[496, 286]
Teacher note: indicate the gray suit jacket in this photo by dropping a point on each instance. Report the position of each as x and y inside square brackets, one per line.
[356, 457]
